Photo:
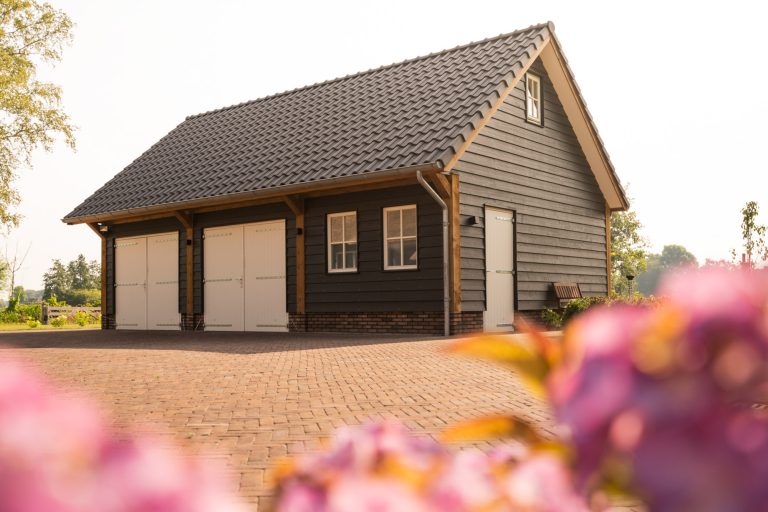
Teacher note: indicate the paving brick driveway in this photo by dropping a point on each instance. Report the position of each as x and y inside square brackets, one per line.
[253, 398]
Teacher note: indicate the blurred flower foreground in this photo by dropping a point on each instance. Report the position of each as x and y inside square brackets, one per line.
[57, 455]
[659, 404]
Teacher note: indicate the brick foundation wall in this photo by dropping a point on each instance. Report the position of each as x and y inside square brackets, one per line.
[421, 322]
[192, 322]
[107, 321]
[466, 322]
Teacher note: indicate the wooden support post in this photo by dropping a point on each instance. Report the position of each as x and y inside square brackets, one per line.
[296, 204]
[187, 220]
[455, 224]
[608, 248]
[103, 237]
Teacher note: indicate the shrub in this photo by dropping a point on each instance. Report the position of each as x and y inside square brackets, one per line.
[82, 318]
[33, 324]
[59, 321]
[578, 306]
[557, 319]
[9, 317]
[552, 318]
[83, 297]
[29, 311]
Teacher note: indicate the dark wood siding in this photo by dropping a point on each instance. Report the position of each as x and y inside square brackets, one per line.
[244, 216]
[372, 289]
[541, 173]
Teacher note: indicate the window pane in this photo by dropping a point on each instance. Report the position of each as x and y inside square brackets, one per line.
[409, 222]
[336, 229]
[393, 253]
[393, 223]
[350, 251]
[350, 228]
[409, 251]
[336, 257]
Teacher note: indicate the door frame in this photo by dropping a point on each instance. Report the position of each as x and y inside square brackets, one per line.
[515, 299]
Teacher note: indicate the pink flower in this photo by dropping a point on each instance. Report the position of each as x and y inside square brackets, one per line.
[666, 388]
[380, 467]
[57, 455]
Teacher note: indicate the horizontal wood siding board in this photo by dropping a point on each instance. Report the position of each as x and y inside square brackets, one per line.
[533, 169]
[541, 173]
[535, 198]
[371, 288]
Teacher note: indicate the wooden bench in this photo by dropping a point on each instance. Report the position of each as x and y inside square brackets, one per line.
[566, 292]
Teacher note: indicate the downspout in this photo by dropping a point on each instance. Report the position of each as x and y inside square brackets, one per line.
[446, 289]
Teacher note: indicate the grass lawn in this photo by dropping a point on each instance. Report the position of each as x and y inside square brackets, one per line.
[25, 327]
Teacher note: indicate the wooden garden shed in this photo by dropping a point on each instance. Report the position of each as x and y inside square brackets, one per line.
[447, 190]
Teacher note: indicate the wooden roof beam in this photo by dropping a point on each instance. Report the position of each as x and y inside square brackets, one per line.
[96, 229]
[184, 218]
[295, 203]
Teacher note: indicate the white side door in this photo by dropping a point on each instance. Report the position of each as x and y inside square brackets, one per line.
[131, 283]
[499, 269]
[163, 282]
[265, 301]
[223, 278]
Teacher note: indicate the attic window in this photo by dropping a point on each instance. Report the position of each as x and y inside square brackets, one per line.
[533, 98]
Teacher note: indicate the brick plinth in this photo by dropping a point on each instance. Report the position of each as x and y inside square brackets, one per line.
[420, 322]
[192, 322]
[107, 321]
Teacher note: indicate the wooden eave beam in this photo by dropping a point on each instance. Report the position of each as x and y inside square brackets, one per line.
[184, 218]
[95, 227]
[221, 204]
[295, 203]
[442, 185]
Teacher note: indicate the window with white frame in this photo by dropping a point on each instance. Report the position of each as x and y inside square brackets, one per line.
[400, 246]
[533, 98]
[342, 242]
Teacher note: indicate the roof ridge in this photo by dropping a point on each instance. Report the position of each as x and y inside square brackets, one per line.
[547, 24]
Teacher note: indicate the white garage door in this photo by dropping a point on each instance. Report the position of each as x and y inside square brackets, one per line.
[244, 268]
[147, 282]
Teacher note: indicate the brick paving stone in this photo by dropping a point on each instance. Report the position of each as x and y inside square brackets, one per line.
[253, 398]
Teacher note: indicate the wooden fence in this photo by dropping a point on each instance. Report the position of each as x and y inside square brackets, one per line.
[54, 311]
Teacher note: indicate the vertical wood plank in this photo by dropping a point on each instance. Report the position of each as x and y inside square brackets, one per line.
[455, 259]
[608, 247]
[104, 309]
[300, 258]
[190, 305]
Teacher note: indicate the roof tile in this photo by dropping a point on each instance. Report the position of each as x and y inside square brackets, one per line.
[410, 113]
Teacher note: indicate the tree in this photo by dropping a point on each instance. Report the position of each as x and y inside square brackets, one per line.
[672, 256]
[753, 235]
[14, 265]
[82, 275]
[71, 281]
[30, 33]
[628, 249]
[56, 281]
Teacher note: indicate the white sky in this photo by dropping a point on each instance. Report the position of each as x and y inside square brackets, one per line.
[678, 92]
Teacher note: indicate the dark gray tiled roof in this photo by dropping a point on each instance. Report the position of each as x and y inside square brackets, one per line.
[410, 113]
